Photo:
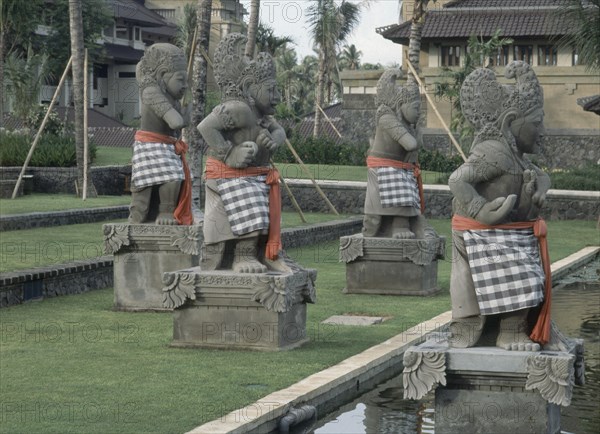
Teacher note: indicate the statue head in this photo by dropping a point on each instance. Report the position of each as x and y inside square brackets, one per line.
[165, 66]
[240, 77]
[404, 100]
[515, 111]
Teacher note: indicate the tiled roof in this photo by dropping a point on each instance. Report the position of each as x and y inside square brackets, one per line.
[448, 23]
[130, 10]
[123, 53]
[115, 137]
[304, 128]
[590, 103]
[502, 3]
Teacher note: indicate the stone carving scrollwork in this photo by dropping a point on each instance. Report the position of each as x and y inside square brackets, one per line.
[115, 237]
[179, 287]
[552, 376]
[351, 248]
[422, 371]
[274, 293]
[188, 240]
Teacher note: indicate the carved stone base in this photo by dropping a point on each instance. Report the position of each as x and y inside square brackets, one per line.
[223, 309]
[390, 266]
[142, 253]
[488, 389]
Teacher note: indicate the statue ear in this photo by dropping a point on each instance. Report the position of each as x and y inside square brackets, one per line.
[508, 119]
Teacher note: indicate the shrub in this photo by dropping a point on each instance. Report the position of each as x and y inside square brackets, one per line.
[585, 178]
[435, 161]
[51, 151]
[322, 151]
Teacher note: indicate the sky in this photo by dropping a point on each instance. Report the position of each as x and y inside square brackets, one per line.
[288, 18]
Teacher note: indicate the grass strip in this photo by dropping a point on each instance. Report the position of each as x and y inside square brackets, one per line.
[41, 202]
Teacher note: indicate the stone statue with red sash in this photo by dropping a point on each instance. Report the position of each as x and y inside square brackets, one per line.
[394, 202]
[160, 181]
[500, 269]
[243, 205]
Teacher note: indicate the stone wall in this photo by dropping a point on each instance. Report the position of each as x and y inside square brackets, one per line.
[349, 198]
[108, 180]
[97, 273]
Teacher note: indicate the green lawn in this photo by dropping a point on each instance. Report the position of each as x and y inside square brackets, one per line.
[71, 364]
[31, 248]
[41, 202]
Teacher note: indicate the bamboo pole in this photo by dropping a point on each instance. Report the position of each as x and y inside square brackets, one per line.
[435, 110]
[39, 133]
[85, 126]
[292, 197]
[330, 122]
[303, 166]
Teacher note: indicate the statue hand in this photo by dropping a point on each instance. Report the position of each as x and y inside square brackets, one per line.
[538, 199]
[174, 119]
[242, 155]
[496, 211]
[266, 140]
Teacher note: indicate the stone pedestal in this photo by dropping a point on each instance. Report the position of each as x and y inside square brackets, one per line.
[488, 389]
[142, 253]
[390, 266]
[223, 309]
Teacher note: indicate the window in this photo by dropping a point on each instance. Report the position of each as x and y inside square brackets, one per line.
[122, 32]
[137, 34]
[523, 52]
[450, 56]
[576, 59]
[547, 55]
[501, 57]
[109, 31]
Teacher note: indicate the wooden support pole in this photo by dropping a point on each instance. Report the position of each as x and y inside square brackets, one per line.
[435, 110]
[42, 126]
[330, 122]
[302, 165]
[86, 147]
[292, 197]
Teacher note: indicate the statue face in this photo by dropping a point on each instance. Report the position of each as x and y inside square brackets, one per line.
[176, 84]
[266, 97]
[527, 130]
[410, 111]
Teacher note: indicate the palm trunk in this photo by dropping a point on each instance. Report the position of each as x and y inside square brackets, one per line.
[76, 28]
[252, 27]
[2, 77]
[199, 91]
[416, 28]
[320, 92]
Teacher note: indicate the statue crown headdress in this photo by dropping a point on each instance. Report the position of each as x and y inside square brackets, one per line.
[158, 59]
[390, 94]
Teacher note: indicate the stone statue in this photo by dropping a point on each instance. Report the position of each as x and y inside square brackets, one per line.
[394, 200]
[158, 163]
[497, 273]
[243, 202]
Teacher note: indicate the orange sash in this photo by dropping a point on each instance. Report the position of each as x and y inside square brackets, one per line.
[541, 330]
[216, 169]
[375, 162]
[183, 211]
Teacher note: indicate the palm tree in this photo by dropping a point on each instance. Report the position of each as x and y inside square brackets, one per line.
[186, 28]
[286, 72]
[585, 17]
[252, 27]
[330, 23]
[76, 28]
[266, 40]
[416, 28]
[350, 57]
[199, 96]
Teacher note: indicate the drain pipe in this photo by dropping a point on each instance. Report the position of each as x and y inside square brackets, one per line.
[299, 420]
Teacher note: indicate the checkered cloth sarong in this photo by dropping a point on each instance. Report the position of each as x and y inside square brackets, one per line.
[506, 269]
[154, 164]
[246, 201]
[397, 187]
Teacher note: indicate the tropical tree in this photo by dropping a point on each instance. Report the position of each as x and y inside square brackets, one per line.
[17, 24]
[330, 23]
[186, 28]
[585, 38]
[416, 29]
[350, 57]
[286, 62]
[77, 50]
[199, 95]
[252, 27]
[267, 40]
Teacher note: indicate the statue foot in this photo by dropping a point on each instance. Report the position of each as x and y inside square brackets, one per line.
[165, 218]
[249, 266]
[278, 265]
[403, 235]
[512, 335]
[465, 332]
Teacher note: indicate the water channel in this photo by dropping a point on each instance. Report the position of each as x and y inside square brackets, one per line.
[576, 310]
